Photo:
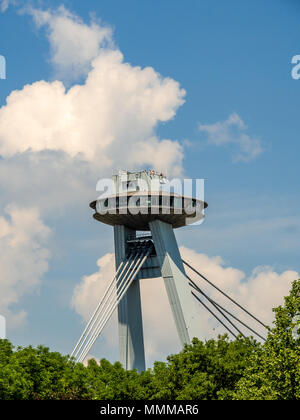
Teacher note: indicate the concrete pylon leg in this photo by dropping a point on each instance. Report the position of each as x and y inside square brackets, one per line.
[179, 292]
[131, 339]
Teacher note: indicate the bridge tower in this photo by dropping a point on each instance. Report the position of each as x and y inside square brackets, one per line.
[143, 216]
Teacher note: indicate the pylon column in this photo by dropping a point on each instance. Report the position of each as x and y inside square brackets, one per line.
[131, 338]
[178, 290]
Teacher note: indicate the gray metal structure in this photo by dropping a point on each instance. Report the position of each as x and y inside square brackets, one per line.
[137, 257]
[165, 262]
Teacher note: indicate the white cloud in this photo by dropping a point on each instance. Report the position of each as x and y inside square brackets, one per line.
[56, 143]
[259, 293]
[232, 131]
[73, 43]
[23, 258]
[109, 121]
[52, 181]
[4, 4]
[51, 136]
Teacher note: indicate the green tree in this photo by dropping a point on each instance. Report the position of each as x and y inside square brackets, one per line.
[113, 382]
[205, 371]
[215, 369]
[29, 373]
[274, 369]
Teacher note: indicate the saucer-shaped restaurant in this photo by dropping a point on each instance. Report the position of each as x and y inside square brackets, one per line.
[136, 210]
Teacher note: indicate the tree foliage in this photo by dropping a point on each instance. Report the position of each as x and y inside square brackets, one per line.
[274, 370]
[215, 369]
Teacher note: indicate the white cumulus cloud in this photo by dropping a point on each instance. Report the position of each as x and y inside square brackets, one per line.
[55, 142]
[110, 120]
[4, 4]
[73, 43]
[232, 132]
[53, 136]
[52, 181]
[24, 258]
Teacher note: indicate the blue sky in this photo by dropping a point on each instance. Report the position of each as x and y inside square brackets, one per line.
[232, 59]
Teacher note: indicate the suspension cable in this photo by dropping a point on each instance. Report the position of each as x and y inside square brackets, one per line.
[119, 286]
[213, 302]
[120, 294]
[89, 324]
[216, 307]
[104, 320]
[223, 293]
[107, 304]
[101, 306]
[209, 310]
[241, 322]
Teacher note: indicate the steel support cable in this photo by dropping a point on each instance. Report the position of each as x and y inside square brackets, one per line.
[233, 316]
[225, 310]
[89, 324]
[241, 322]
[102, 325]
[223, 293]
[107, 305]
[213, 302]
[118, 300]
[209, 310]
[100, 308]
[106, 308]
[216, 307]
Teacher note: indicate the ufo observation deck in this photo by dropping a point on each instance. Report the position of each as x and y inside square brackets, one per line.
[142, 201]
[135, 210]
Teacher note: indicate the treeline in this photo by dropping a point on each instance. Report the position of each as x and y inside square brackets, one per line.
[221, 369]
